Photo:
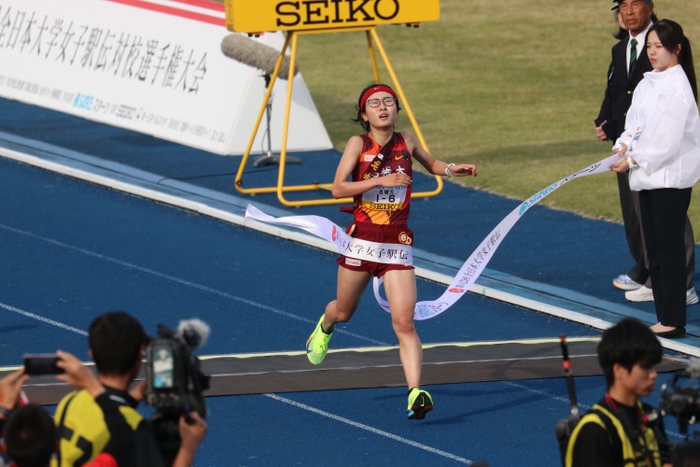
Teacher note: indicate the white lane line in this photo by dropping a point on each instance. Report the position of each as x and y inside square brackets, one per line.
[183, 282]
[41, 318]
[546, 394]
[370, 429]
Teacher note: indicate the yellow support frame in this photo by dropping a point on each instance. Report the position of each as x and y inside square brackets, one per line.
[280, 188]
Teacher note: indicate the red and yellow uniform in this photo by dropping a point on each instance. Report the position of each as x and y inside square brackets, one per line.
[381, 214]
[383, 205]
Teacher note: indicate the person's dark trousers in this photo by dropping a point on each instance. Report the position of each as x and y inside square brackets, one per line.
[631, 215]
[689, 240]
[664, 213]
[629, 202]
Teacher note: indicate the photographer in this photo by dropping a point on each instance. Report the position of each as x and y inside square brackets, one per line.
[619, 430]
[120, 451]
[117, 342]
[31, 435]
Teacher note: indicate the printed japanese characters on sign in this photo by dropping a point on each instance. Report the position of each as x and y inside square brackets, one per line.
[125, 55]
[297, 15]
[158, 71]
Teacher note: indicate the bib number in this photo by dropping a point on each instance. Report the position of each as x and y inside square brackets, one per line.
[384, 198]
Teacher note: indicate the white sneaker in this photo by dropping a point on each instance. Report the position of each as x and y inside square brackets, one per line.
[642, 294]
[645, 294]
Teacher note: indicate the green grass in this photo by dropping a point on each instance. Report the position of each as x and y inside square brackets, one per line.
[512, 86]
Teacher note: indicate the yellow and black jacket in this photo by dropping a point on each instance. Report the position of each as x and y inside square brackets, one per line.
[614, 435]
[85, 432]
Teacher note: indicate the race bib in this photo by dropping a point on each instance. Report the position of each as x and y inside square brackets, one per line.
[384, 198]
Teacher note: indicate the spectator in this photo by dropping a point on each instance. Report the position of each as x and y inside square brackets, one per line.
[616, 432]
[117, 342]
[629, 63]
[30, 436]
[660, 144]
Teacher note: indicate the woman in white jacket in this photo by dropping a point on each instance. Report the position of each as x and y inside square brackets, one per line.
[661, 149]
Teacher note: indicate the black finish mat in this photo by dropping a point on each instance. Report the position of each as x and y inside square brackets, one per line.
[375, 367]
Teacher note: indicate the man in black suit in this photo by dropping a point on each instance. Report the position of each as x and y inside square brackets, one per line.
[629, 63]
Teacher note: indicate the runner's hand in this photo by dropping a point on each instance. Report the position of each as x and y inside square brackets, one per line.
[463, 170]
[395, 179]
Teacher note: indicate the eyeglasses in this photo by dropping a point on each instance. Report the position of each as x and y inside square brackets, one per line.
[388, 101]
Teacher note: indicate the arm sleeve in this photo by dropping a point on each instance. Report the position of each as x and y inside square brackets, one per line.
[604, 113]
[663, 131]
[593, 448]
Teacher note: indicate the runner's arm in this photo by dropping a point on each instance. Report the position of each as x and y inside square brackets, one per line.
[343, 186]
[432, 165]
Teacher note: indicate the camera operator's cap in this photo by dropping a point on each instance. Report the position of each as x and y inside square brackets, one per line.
[616, 4]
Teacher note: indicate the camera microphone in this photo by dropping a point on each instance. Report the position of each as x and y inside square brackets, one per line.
[193, 332]
[252, 53]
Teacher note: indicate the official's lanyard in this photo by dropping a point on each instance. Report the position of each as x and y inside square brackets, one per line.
[642, 420]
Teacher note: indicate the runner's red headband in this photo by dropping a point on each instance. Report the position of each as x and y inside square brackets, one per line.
[375, 89]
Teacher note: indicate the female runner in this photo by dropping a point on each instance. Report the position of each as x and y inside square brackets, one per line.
[376, 170]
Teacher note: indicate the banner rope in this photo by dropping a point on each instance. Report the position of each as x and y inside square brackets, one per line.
[467, 274]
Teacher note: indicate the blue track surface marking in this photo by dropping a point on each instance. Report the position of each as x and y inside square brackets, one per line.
[70, 250]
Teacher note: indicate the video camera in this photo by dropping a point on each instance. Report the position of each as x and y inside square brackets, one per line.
[680, 397]
[175, 382]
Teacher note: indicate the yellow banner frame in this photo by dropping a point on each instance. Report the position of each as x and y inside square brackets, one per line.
[257, 16]
[280, 189]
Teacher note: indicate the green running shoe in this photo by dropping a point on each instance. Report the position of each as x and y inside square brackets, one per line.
[317, 344]
[419, 403]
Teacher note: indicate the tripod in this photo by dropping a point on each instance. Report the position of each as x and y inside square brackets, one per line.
[269, 159]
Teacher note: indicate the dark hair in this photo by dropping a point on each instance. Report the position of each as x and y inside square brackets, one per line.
[115, 341]
[30, 436]
[628, 343]
[360, 111]
[620, 32]
[671, 36]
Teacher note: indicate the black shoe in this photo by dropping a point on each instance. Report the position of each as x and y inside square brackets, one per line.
[678, 332]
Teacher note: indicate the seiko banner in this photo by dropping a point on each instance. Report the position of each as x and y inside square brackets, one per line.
[151, 66]
[295, 15]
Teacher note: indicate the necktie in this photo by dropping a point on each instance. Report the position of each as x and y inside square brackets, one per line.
[633, 56]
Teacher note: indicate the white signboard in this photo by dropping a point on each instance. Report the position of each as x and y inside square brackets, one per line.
[153, 66]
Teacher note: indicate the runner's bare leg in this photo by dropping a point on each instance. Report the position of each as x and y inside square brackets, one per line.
[351, 286]
[400, 286]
